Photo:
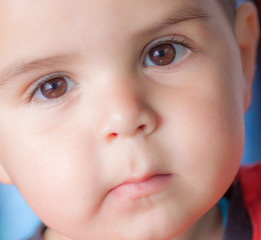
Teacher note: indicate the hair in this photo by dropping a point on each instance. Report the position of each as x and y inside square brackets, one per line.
[229, 7]
[258, 5]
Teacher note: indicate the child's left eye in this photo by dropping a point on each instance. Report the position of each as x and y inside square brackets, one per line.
[53, 88]
[165, 54]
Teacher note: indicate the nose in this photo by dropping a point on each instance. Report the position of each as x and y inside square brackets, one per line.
[128, 115]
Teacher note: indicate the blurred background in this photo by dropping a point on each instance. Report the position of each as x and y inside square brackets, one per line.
[18, 222]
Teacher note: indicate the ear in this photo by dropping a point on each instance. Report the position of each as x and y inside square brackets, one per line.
[247, 34]
[4, 177]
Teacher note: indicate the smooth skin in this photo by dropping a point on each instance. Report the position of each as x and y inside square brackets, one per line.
[122, 117]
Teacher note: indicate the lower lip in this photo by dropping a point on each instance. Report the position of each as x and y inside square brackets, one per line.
[135, 190]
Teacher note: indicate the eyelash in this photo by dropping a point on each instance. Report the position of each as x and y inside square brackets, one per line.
[176, 39]
[35, 86]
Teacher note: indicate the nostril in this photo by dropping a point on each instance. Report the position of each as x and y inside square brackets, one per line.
[112, 136]
[142, 127]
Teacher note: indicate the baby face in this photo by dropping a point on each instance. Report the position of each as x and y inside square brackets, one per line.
[119, 119]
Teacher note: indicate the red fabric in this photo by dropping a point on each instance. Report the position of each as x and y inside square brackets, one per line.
[250, 178]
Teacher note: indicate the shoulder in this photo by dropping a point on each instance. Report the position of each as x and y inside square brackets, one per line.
[250, 181]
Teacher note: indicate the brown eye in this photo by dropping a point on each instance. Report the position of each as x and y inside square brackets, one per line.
[54, 88]
[163, 54]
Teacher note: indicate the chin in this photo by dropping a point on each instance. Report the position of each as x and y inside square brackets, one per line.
[155, 227]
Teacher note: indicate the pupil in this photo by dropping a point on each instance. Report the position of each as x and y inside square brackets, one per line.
[54, 86]
[161, 53]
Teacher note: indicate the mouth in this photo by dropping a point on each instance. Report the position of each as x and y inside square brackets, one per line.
[134, 189]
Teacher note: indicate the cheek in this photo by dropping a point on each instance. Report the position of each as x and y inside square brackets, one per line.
[52, 166]
[203, 135]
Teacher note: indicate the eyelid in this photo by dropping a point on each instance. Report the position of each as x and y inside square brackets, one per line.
[176, 39]
[40, 81]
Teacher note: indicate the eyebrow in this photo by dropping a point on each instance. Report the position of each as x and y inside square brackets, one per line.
[23, 67]
[185, 14]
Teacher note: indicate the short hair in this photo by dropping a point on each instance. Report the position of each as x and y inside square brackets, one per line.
[229, 7]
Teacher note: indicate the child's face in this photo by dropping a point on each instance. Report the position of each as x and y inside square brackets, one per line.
[86, 106]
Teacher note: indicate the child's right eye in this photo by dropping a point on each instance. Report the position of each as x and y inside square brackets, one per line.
[52, 87]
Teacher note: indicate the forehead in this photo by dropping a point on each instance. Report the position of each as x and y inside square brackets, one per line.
[39, 27]
[29, 16]
[119, 9]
